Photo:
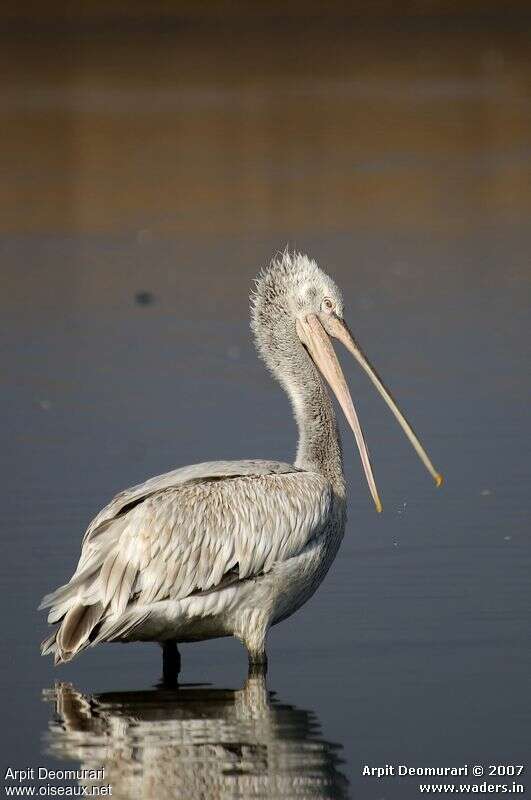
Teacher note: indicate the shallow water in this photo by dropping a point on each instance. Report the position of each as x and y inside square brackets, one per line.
[175, 163]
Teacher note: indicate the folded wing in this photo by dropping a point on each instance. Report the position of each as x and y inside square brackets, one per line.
[183, 533]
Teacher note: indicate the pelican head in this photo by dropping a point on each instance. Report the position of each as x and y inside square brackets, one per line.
[296, 309]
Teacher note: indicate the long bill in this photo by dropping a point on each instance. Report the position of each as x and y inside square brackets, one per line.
[337, 328]
[314, 336]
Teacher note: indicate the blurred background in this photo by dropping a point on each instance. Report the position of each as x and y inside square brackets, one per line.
[154, 158]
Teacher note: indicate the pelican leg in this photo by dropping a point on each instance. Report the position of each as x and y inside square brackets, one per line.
[171, 663]
[257, 664]
[252, 635]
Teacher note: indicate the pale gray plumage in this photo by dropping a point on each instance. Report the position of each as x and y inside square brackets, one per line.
[227, 547]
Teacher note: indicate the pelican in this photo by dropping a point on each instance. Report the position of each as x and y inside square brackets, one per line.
[230, 548]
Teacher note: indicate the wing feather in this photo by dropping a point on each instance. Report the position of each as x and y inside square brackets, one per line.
[128, 498]
[191, 546]
[187, 539]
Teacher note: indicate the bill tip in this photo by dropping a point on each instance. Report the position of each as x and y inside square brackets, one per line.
[439, 480]
[379, 507]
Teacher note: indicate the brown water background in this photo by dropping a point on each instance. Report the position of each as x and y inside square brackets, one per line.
[174, 155]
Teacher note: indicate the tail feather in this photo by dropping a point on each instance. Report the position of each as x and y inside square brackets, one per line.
[121, 627]
[100, 588]
[48, 645]
[85, 626]
[58, 611]
[75, 629]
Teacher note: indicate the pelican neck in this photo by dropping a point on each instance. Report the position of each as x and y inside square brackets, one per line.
[319, 445]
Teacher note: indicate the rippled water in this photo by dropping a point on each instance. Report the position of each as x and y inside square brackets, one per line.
[148, 177]
[195, 742]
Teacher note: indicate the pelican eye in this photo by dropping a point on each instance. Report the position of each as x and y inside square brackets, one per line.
[327, 305]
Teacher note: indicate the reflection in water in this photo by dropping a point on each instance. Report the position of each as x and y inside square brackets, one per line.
[196, 743]
[174, 161]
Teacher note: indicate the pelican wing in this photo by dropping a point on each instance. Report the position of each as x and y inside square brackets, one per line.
[101, 534]
[188, 539]
[185, 533]
[176, 477]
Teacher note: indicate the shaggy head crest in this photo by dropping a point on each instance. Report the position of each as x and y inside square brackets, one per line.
[290, 287]
[292, 284]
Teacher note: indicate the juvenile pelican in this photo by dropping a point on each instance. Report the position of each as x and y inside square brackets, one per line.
[230, 548]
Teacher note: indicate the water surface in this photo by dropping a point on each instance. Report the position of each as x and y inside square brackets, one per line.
[175, 163]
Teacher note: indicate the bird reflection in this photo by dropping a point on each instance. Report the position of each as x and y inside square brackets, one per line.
[192, 743]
